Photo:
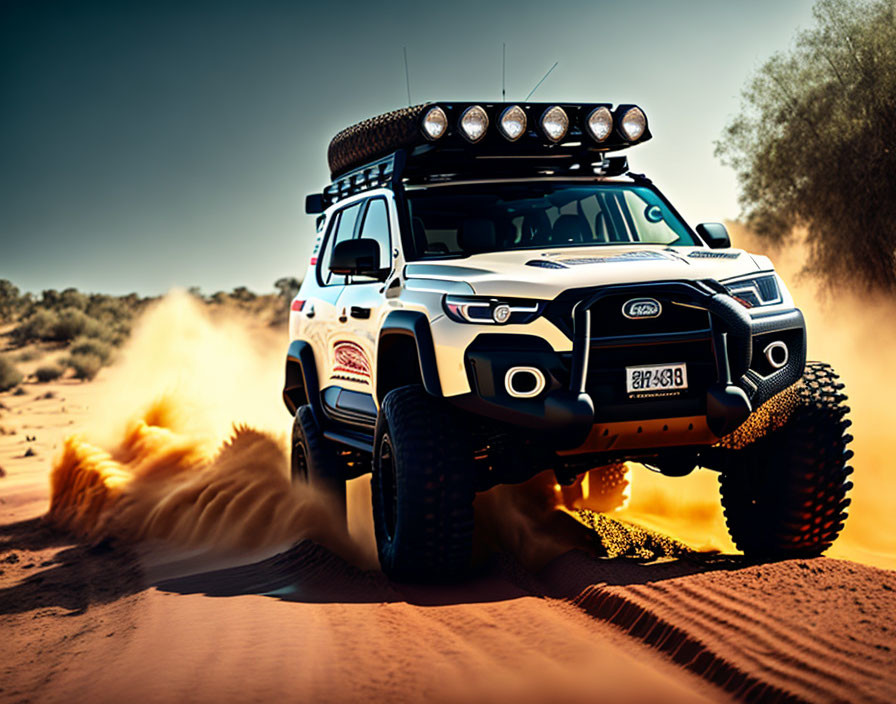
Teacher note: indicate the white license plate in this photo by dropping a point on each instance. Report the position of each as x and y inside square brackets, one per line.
[656, 377]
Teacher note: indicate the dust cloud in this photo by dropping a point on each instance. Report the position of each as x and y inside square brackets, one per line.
[186, 445]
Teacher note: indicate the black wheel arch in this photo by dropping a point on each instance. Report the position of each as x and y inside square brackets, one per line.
[406, 354]
[301, 384]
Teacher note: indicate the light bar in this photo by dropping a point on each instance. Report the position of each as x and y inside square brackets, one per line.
[513, 122]
[435, 123]
[555, 123]
[474, 123]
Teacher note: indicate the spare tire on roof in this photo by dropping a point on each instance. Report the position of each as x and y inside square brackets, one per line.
[373, 139]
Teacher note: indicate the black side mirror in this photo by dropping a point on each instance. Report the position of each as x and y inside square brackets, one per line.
[359, 257]
[314, 204]
[714, 234]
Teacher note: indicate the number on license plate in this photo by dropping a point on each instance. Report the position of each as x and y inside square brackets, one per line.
[656, 377]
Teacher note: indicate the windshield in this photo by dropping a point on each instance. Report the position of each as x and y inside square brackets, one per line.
[455, 221]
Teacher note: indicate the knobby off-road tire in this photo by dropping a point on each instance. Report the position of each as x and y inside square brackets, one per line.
[313, 458]
[373, 139]
[785, 494]
[422, 488]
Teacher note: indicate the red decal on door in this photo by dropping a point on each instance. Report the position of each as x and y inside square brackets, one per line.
[349, 359]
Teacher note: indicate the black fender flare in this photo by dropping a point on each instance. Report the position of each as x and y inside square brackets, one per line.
[301, 384]
[415, 325]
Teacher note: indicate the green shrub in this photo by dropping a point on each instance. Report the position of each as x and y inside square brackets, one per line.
[40, 325]
[48, 372]
[85, 366]
[10, 376]
[92, 346]
[73, 322]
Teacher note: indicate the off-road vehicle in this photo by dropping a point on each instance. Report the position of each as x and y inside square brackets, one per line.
[492, 295]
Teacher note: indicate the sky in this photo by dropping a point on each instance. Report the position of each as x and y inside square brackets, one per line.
[147, 145]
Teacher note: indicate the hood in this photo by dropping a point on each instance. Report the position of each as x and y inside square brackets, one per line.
[541, 274]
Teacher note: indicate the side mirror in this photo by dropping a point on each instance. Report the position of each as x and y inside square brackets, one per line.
[359, 257]
[714, 234]
[314, 204]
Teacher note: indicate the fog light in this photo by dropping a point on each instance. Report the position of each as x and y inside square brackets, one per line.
[513, 122]
[435, 123]
[555, 123]
[777, 354]
[633, 124]
[600, 123]
[524, 382]
[474, 123]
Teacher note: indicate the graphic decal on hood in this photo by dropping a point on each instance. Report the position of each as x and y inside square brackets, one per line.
[645, 256]
[714, 255]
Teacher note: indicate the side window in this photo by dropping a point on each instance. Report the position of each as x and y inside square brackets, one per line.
[376, 227]
[343, 228]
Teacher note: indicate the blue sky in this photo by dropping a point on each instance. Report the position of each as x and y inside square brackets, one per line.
[157, 144]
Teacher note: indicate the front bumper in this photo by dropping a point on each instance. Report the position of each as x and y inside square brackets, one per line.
[719, 340]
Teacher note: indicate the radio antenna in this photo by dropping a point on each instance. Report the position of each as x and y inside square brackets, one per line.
[503, 72]
[541, 81]
[407, 75]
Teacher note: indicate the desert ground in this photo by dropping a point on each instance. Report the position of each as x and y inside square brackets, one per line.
[152, 549]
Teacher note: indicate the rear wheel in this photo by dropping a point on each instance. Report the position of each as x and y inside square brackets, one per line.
[314, 460]
[422, 488]
[785, 494]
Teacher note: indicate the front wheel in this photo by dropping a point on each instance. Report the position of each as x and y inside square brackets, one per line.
[422, 488]
[785, 494]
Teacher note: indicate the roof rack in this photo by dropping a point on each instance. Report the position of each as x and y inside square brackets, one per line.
[399, 168]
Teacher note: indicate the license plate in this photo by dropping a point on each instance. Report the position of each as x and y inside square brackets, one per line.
[656, 377]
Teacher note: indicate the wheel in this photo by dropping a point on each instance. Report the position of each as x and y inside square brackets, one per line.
[784, 495]
[313, 459]
[422, 488]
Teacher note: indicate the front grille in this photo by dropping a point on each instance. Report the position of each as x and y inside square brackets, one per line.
[605, 382]
[608, 320]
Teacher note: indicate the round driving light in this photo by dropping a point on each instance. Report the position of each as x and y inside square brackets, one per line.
[633, 124]
[555, 123]
[513, 122]
[600, 123]
[474, 123]
[435, 123]
[501, 313]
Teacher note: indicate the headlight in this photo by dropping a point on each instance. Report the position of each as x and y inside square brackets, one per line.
[435, 123]
[755, 291]
[555, 123]
[633, 124]
[600, 123]
[491, 311]
[474, 123]
[513, 122]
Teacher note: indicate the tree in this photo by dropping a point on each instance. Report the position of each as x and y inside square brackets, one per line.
[814, 143]
[9, 299]
[288, 286]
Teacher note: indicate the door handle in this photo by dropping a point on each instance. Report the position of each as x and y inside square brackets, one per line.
[359, 312]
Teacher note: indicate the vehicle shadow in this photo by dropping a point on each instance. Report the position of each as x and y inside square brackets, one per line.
[48, 569]
[310, 573]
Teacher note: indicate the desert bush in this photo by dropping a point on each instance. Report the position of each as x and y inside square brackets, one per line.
[48, 372]
[92, 346]
[74, 323]
[10, 376]
[40, 325]
[85, 366]
[28, 356]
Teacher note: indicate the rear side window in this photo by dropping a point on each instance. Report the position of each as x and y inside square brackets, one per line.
[342, 229]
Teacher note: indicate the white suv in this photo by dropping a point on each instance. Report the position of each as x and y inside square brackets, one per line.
[491, 296]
